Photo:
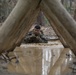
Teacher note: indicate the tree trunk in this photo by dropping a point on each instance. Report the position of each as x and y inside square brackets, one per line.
[65, 24]
[40, 19]
[75, 11]
[62, 1]
[17, 24]
[75, 14]
[5, 8]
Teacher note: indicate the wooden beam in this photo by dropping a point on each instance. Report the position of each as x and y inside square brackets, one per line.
[65, 24]
[59, 62]
[59, 35]
[28, 24]
[17, 24]
[57, 32]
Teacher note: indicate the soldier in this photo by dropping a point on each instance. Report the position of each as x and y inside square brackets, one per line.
[35, 36]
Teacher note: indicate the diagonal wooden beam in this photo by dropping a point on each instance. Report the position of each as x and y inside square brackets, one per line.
[65, 24]
[59, 61]
[18, 23]
[52, 23]
[29, 22]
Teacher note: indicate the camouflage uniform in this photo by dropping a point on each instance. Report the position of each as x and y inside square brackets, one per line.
[32, 38]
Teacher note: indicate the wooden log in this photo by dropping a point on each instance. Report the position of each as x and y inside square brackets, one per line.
[18, 22]
[65, 24]
[29, 22]
[59, 62]
[59, 35]
[57, 32]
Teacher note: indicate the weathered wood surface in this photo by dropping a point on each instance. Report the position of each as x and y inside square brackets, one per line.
[59, 61]
[57, 32]
[30, 61]
[59, 35]
[17, 24]
[65, 24]
[31, 57]
[21, 19]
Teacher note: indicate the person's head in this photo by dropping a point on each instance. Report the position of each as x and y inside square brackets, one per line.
[37, 29]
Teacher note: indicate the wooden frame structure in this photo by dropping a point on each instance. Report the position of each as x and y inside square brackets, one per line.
[23, 16]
